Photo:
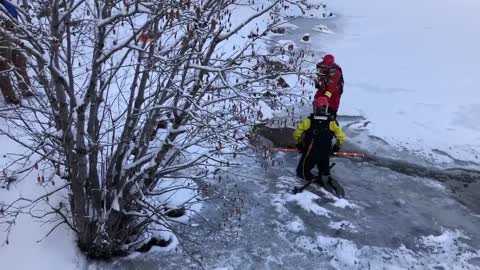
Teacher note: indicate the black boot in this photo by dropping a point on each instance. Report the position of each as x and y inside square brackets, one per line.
[323, 181]
[336, 186]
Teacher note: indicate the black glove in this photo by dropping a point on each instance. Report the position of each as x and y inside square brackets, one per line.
[299, 146]
[335, 148]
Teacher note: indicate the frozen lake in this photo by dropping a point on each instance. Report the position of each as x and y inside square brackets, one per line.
[395, 215]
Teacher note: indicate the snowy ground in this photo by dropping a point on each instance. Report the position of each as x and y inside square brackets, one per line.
[27, 248]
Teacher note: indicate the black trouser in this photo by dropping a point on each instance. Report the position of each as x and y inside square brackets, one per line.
[306, 164]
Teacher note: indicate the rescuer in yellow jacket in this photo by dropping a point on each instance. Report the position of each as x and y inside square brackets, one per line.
[313, 137]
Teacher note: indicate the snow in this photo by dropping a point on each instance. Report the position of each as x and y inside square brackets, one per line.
[291, 80]
[58, 251]
[285, 43]
[306, 35]
[319, 10]
[322, 28]
[265, 110]
[306, 201]
[296, 225]
[345, 254]
[342, 203]
[177, 193]
[115, 204]
[412, 72]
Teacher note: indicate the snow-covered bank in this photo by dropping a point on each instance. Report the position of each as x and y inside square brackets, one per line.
[27, 246]
[411, 70]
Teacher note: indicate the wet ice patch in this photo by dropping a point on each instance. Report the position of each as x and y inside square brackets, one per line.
[475, 261]
[430, 183]
[306, 200]
[287, 180]
[289, 25]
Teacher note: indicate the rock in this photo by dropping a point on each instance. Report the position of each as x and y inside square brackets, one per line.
[271, 66]
[252, 35]
[268, 94]
[326, 15]
[278, 30]
[280, 137]
[400, 202]
[282, 83]
[174, 212]
[154, 242]
[306, 37]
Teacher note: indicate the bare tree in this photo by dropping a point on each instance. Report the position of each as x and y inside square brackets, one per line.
[135, 92]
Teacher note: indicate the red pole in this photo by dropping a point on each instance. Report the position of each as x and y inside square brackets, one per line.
[285, 149]
[348, 154]
[338, 154]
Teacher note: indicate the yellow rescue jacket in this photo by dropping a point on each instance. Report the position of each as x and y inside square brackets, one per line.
[305, 124]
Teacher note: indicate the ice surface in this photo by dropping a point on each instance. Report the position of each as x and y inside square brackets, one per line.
[309, 231]
[414, 77]
[402, 90]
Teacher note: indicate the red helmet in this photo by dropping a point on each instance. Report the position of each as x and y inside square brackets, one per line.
[320, 106]
[320, 102]
[328, 60]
